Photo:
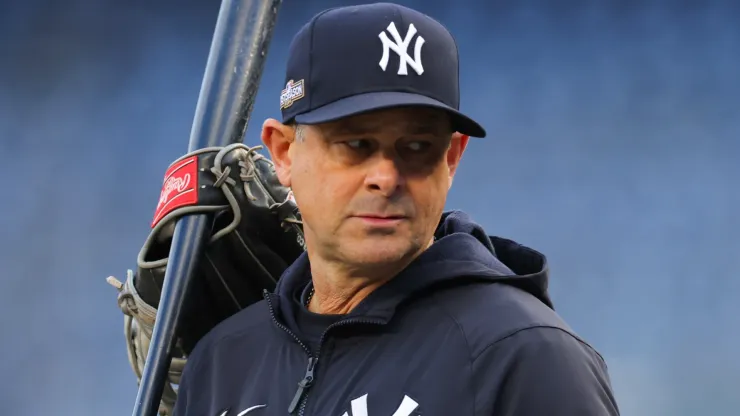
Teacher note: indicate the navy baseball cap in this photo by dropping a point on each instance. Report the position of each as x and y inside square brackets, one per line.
[354, 59]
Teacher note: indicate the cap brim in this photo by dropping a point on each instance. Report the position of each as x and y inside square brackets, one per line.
[362, 103]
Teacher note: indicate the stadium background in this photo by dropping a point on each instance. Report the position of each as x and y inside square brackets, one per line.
[614, 138]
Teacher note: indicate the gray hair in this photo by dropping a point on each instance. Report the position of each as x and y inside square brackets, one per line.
[300, 132]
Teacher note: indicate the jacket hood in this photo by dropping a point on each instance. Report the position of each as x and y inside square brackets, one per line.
[462, 253]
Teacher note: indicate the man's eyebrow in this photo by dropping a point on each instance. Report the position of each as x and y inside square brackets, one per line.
[353, 129]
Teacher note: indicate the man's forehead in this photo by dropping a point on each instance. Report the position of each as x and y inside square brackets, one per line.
[416, 121]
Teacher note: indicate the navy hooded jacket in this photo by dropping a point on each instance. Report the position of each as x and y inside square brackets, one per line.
[467, 329]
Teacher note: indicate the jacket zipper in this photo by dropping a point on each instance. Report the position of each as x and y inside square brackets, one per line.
[301, 395]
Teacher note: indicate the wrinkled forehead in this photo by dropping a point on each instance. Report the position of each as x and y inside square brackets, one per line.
[405, 121]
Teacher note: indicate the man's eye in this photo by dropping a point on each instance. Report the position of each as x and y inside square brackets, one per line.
[358, 144]
[418, 146]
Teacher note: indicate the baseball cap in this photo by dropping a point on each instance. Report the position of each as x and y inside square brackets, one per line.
[354, 59]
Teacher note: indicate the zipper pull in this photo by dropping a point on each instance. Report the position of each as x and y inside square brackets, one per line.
[303, 385]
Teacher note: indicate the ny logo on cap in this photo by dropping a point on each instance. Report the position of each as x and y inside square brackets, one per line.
[400, 47]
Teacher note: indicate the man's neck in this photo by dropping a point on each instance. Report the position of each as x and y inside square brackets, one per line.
[339, 288]
[338, 291]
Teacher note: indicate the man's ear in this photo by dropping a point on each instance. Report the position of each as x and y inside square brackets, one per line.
[454, 154]
[277, 138]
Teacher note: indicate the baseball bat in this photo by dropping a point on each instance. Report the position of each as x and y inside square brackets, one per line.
[230, 83]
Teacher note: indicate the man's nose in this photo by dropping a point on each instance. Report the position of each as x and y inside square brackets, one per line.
[384, 176]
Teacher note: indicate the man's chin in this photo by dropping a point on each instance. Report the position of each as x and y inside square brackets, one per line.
[380, 251]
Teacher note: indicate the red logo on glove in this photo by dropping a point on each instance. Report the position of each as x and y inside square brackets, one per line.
[180, 188]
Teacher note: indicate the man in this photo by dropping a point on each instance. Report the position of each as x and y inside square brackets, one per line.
[397, 308]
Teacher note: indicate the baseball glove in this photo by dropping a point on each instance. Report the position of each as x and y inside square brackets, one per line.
[256, 233]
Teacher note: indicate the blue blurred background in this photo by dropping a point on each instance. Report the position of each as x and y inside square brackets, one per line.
[614, 138]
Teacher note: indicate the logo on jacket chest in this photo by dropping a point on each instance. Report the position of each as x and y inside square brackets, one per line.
[359, 407]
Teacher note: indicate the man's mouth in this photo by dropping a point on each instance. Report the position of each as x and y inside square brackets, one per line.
[380, 220]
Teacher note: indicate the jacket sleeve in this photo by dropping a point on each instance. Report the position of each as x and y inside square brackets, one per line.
[542, 371]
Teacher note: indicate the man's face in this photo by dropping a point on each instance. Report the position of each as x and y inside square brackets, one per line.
[370, 188]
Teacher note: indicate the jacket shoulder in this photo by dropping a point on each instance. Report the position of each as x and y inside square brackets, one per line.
[488, 313]
[252, 321]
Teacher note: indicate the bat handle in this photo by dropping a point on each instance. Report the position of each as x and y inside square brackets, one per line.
[189, 241]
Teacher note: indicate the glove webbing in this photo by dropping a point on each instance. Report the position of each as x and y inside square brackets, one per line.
[138, 324]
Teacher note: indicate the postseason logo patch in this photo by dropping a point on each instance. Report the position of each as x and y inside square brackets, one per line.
[293, 92]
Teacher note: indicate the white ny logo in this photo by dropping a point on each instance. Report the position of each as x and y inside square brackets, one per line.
[401, 46]
[359, 407]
